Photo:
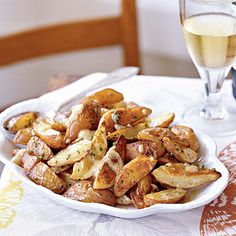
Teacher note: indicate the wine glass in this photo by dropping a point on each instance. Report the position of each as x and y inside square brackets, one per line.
[209, 28]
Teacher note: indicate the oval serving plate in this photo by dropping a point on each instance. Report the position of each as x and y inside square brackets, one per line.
[205, 196]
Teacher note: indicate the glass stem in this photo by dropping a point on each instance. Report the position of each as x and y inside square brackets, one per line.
[212, 107]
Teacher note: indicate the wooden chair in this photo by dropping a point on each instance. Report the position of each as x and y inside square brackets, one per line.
[72, 36]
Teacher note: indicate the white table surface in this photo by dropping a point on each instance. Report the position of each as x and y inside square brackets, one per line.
[37, 215]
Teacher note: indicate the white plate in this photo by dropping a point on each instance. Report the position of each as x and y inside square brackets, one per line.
[207, 149]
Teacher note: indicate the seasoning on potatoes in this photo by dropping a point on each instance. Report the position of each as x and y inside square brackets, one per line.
[21, 121]
[41, 174]
[23, 136]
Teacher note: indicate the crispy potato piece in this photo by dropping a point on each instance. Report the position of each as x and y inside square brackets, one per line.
[51, 137]
[128, 133]
[121, 104]
[87, 167]
[84, 192]
[163, 120]
[23, 136]
[38, 148]
[165, 196]
[121, 147]
[182, 176]
[87, 118]
[41, 174]
[183, 154]
[144, 186]
[17, 158]
[124, 200]
[108, 169]
[187, 133]
[148, 148]
[137, 200]
[29, 161]
[21, 121]
[65, 176]
[71, 154]
[132, 173]
[55, 124]
[166, 158]
[124, 117]
[105, 97]
[83, 169]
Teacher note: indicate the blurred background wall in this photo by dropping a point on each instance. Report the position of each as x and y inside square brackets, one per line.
[162, 46]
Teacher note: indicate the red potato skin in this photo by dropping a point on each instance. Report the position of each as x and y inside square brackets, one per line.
[121, 147]
[29, 161]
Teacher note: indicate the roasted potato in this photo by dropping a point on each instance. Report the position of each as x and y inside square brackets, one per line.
[60, 169]
[184, 176]
[84, 192]
[164, 196]
[124, 117]
[182, 154]
[105, 97]
[28, 161]
[51, 137]
[87, 118]
[148, 148]
[71, 154]
[41, 174]
[38, 148]
[144, 186]
[55, 124]
[187, 133]
[23, 136]
[163, 120]
[132, 173]
[65, 176]
[20, 122]
[129, 133]
[108, 169]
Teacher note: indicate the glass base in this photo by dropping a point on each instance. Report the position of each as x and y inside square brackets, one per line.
[223, 126]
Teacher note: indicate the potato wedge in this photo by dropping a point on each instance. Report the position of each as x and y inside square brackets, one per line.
[124, 117]
[137, 200]
[105, 97]
[41, 174]
[60, 169]
[28, 161]
[71, 154]
[163, 120]
[109, 168]
[120, 147]
[23, 136]
[51, 137]
[87, 118]
[182, 176]
[148, 148]
[38, 148]
[20, 122]
[55, 124]
[165, 196]
[144, 186]
[182, 154]
[129, 133]
[132, 173]
[124, 200]
[187, 133]
[84, 192]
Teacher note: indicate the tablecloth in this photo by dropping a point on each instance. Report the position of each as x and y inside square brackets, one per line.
[26, 212]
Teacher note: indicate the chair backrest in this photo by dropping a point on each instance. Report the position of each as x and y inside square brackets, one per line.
[72, 36]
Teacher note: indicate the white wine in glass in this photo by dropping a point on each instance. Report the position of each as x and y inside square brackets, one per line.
[210, 33]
